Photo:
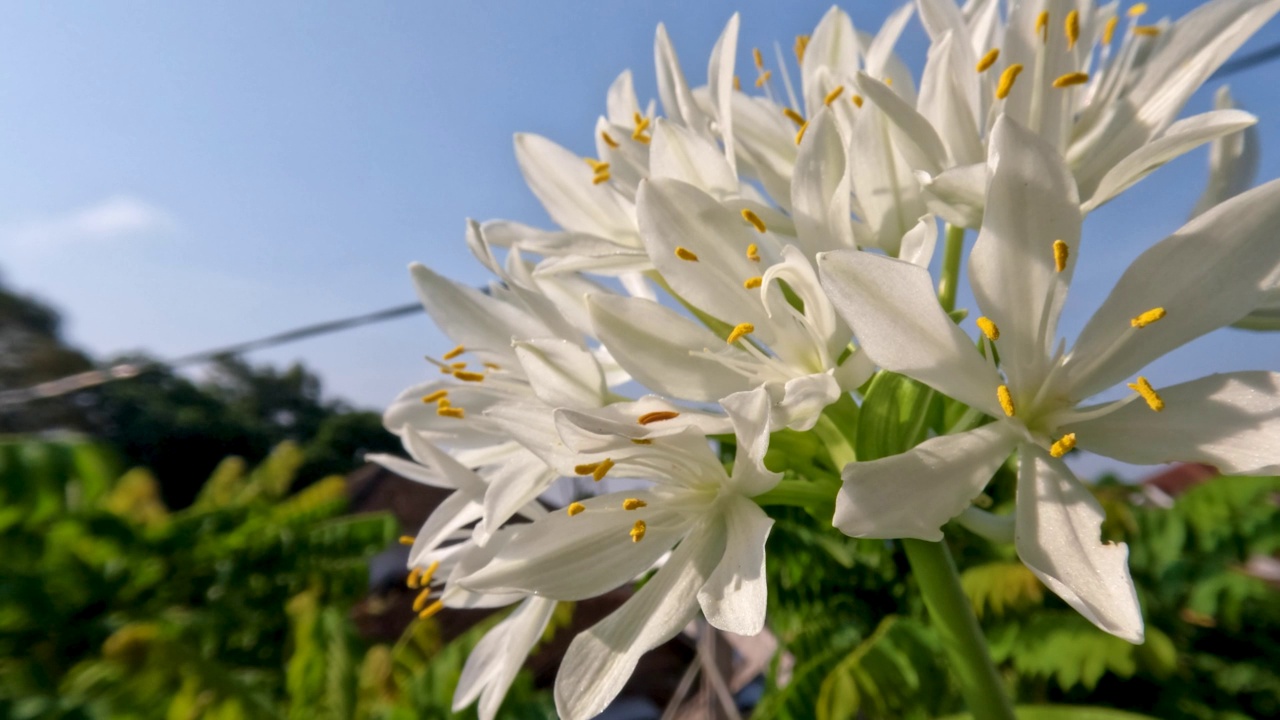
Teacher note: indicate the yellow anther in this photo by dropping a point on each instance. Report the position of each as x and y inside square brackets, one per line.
[602, 469]
[753, 252]
[637, 531]
[1006, 80]
[740, 330]
[585, 468]
[642, 139]
[443, 402]
[428, 399]
[1061, 251]
[1148, 393]
[575, 508]
[466, 376]
[756, 222]
[758, 57]
[1072, 28]
[833, 95]
[1137, 10]
[608, 139]
[657, 416]
[453, 353]
[1064, 445]
[764, 78]
[1109, 30]
[493, 366]
[1147, 317]
[988, 328]
[457, 366]
[752, 283]
[802, 44]
[431, 609]
[800, 133]
[737, 83]
[641, 441]
[1146, 30]
[429, 573]
[793, 116]
[686, 254]
[1042, 25]
[406, 539]
[412, 580]
[633, 504]
[639, 120]
[856, 100]
[599, 178]
[597, 165]
[453, 412]
[1071, 78]
[988, 60]
[1006, 399]
[421, 600]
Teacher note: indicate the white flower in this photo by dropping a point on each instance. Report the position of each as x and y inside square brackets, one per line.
[1209, 274]
[602, 542]
[495, 660]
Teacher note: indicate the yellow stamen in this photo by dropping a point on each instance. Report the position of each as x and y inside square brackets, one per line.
[406, 539]
[686, 254]
[585, 468]
[600, 178]
[432, 609]
[988, 60]
[1042, 25]
[1148, 393]
[752, 283]
[429, 573]
[738, 331]
[1073, 28]
[756, 222]
[657, 416]
[1071, 78]
[457, 365]
[988, 328]
[434, 396]
[758, 57]
[1146, 30]
[1061, 251]
[1006, 399]
[800, 134]
[421, 600]
[1137, 10]
[764, 78]
[640, 121]
[1064, 445]
[575, 508]
[453, 412]
[597, 165]
[793, 116]
[453, 353]
[637, 531]
[1006, 80]
[608, 139]
[802, 44]
[753, 252]
[1147, 317]
[641, 441]
[493, 366]
[465, 376]
[633, 504]
[642, 139]
[833, 95]
[856, 100]
[737, 83]
[412, 580]
[602, 469]
[1109, 30]
[443, 402]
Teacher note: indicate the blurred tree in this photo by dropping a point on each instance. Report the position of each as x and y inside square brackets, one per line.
[32, 351]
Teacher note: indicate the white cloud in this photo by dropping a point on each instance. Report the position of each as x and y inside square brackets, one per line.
[116, 218]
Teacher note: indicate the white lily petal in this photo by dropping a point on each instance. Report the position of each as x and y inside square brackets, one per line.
[882, 62]
[750, 413]
[914, 135]
[514, 487]
[453, 513]
[734, 597]
[1231, 421]
[833, 47]
[562, 182]
[949, 99]
[497, 658]
[561, 373]
[600, 660]
[1058, 535]
[677, 101]
[820, 188]
[1013, 264]
[409, 470]
[621, 419]
[919, 243]
[957, 195]
[765, 145]
[720, 82]
[1209, 274]
[892, 309]
[914, 494]
[451, 472]
[1181, 137]
[648, 340]
[798, 403]
[679, 153]
[885, 186]
[408, 412]
[1233, 160]
[620, 101]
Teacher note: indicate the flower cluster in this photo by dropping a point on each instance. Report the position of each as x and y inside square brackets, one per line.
[745, 262]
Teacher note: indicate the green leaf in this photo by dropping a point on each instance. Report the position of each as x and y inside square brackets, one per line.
[895, 416]
[1001, 586]
[1064, 712]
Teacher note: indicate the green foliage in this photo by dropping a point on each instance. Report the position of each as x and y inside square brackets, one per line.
[998, 587]
[895, 415]
[895, 673]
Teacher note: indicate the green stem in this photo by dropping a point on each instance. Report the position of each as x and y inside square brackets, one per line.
[834, 440]
[951, 254]
[799, 493]
[956, 625]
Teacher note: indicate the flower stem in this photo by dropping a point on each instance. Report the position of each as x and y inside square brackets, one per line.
[956, 625]
[951, 253]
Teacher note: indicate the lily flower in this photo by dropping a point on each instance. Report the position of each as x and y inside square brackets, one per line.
[1209, 274]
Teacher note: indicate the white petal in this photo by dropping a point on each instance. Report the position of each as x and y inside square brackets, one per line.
[679, 153]
[1233, 161]
[883, 181]
[621, 419]
[820, 188]
[914, 135]
[513, 487]
[832, 46]
[497, 658]
[720, 82]
[1058, 535]
[881, 62]
[454, 512]
[764, 141]
[620, 102]
[561, 373]
[734, 597]
[957, 195]
[914, 494]
[677, 101]
[1181, 137]
[408, 412]
[892, 309]
[1231, 421]
[750, 413]
[653, 343]
[799, 402]
[600, 660]
[949, 99]
[563, 183]
[919, 243]
[1210, 273]
[1031, 204]
[452, 473]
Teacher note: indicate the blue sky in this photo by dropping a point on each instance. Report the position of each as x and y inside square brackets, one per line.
[178, 176]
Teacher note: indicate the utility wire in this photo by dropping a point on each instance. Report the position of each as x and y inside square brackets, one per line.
[81, 381]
